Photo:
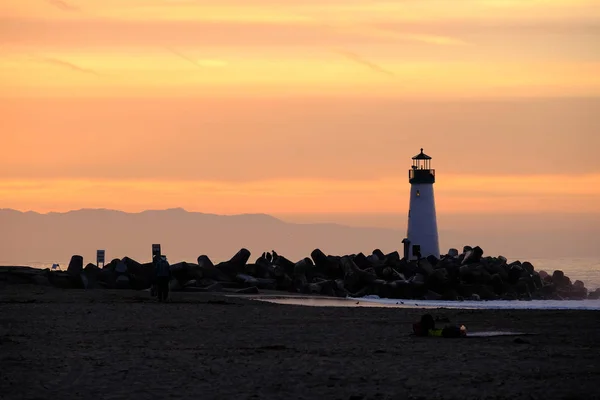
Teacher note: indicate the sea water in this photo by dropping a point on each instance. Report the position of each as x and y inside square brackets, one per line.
[375, 301]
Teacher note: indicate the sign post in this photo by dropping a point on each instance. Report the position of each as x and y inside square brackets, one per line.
[100, 258]
[155, 251]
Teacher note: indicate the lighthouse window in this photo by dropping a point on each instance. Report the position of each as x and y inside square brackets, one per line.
[418, 193]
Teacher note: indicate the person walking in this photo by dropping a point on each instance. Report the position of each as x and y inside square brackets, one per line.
[163, 277]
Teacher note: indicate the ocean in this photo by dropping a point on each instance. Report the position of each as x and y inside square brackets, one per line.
[585, 269]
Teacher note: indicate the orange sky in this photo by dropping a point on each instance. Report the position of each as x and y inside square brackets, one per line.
[268, 106]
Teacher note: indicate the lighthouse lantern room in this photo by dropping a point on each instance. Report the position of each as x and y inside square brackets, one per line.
[422, 237]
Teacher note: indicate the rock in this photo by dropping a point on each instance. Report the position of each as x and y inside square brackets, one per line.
[560, 280]
[406, 290]
[185, 272]
[473, 256]
[236, 264]
[510, 296]
[319, 258]
[122, 282]
[466, 274]
[418, 279]
[41, 279]
[432, 260]
[486, 293]
[514, 274]
[537, 281]
[379, 254]
[285, 264]
[92, 269]
[374, 261]
[454, 276]
[439, 280]
[248, 290]
[27, 275]
[326, 288]
[595, 295]
[175, 285]
[75, 266]
[208, 270]
[497, 284]
[121, 268]
[579, 291]
[527, 266]
[431, 295]
[425, 267]
[247, 279]
[450, 295]
[90, 276]
[302, 267]
[354, 277]
[392, 259]
[107, 278]
[362, 262]
[525, 286]
[240, 258]
[215, 287]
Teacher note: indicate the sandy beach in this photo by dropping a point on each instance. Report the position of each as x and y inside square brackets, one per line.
[122, 344]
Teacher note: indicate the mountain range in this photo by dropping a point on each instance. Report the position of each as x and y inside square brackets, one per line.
[30, 237]
[183, 235]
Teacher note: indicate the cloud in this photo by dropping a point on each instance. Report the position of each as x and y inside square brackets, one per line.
[63, 5]
[67, 64]
[116, 33]
[182, 56]
[363, 61]
[204, 63]
[434, 39]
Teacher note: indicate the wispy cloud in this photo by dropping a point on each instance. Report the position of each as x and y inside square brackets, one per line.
[435, 39]
[363, 61]
[67, 64]
[182, 56]
[204, 63]
[63, 5]
[395, 34]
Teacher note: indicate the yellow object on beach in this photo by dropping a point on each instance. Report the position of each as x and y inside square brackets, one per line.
[435, 332]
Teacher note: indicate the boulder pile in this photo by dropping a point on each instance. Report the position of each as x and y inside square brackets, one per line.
[455, 276]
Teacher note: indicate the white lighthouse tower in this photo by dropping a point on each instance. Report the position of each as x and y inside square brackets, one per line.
[422, 222]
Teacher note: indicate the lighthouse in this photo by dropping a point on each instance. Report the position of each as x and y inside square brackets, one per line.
[422, 236]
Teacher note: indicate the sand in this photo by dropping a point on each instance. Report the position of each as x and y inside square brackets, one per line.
[122, 344]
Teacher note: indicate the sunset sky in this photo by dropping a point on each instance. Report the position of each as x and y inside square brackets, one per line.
[281, 107]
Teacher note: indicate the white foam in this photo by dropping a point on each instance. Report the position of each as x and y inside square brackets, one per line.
[489, 305]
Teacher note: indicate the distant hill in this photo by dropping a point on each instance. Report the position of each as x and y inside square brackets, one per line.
[30, 236]
[27, 237]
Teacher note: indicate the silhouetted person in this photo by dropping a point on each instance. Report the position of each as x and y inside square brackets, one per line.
[163, 276]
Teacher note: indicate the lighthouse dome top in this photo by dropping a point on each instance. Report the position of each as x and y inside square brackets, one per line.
[421, 156]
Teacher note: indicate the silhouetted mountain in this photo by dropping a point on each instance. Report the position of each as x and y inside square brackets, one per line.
[33, 237]
[30, 236]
